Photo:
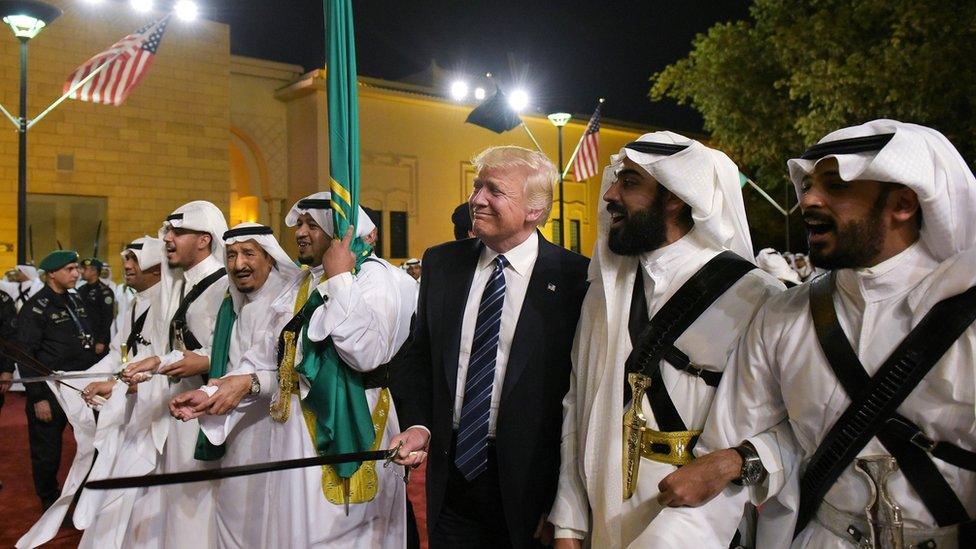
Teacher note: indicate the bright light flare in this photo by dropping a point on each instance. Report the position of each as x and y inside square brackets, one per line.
[186, 10]
[141, 5]
[479, 93]
[459, 90]
[94, 1]
[518, 100]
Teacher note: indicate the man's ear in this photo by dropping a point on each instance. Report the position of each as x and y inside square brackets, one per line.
[203, 243]
[904, 203]
[533, 215]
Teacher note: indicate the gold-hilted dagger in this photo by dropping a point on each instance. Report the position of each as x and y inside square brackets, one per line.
[634, 425]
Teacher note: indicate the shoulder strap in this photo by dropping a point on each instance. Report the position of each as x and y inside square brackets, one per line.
[656, 341]
[874, 401]
[135, 332]
[179, 318]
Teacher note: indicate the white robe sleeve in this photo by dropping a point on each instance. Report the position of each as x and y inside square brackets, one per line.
[360, 314]
[570, 510]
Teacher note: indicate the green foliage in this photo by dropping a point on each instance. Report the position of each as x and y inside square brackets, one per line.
[769, 87]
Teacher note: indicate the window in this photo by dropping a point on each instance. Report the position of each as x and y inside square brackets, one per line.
[398, 235]
[69, 220]
[376, 216]
[557, 235]
[574, 235]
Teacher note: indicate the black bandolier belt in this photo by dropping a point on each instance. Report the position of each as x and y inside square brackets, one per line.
[181, 337]
[873, 413]
[653, 341]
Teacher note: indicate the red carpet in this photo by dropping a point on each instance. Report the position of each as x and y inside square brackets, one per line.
[19, 505]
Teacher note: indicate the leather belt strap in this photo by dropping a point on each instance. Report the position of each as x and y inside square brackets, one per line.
[654, 339]
[875, 400]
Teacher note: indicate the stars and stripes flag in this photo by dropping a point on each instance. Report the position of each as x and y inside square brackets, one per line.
[118, 69]
[587, 159]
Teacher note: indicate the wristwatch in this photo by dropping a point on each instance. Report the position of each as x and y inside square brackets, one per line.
[752, 472]
[255, 384]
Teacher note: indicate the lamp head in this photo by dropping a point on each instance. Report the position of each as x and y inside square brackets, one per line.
[27, 17]
[559, 119]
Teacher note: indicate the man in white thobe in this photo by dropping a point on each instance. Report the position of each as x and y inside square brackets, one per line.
[887, 206]
[193, 286]
[104, 515]
[361, 314]
[232, 413]
[673, 205]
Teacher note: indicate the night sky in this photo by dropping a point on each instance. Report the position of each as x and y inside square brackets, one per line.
[565, 53]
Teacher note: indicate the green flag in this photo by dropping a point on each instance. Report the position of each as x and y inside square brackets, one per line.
[343, 114]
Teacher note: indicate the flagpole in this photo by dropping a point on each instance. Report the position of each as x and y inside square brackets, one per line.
[84, 81]
[532, 137]
[579, 143]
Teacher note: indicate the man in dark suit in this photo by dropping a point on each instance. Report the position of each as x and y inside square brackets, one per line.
[490, 362]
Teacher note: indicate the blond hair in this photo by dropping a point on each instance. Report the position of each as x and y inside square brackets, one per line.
[542, 173]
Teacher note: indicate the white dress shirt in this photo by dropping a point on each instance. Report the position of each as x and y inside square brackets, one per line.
[521, 262]
[201, 315]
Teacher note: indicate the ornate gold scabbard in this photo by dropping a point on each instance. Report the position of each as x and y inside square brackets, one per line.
[634, 425]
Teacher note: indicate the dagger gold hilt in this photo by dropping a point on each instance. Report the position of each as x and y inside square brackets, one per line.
[634, 424]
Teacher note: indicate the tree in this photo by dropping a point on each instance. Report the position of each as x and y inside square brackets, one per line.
[770, 87]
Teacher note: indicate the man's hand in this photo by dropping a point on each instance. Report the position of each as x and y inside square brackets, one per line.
[567, 543]
[337, 258]
[230, 391]
[188, 405]
[701, 480]
[414, 449]
[6, 380]
[42, 409]
[99, 348]
[191, 364]
[97, 389]
[141, 370]
[544, 531]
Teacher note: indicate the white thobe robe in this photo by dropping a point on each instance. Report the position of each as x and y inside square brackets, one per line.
[96, 513]
[240, 502]
[780, 373]
[591, 477]
[362, 315]
[186, 510]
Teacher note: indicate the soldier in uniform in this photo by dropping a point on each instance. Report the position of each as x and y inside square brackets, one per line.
[99, 300]
[8, 314]
[54, 327]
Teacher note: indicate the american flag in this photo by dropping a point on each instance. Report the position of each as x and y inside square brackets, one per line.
[125, 63]
[587, 159]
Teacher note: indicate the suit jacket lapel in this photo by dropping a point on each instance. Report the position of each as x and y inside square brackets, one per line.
[540, 300]
[458, 286]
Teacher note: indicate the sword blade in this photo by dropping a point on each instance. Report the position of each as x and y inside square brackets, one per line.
[59, 377]
[237, 471]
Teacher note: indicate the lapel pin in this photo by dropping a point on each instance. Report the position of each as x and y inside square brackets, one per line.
[551, 287]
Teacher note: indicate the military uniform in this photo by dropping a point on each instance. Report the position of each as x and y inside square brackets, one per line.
[8, 314]
[99, 302]
[56, 330]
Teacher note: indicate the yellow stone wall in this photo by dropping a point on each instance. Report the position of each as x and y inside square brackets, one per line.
[166, 145]
[249, 135]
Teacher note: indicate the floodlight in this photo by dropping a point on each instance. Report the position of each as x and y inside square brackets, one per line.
[518, 100]
[186, 10]
[479, 93]
[459, 90]
[141, 5]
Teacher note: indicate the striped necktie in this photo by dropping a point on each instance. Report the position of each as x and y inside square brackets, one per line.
[471, 453]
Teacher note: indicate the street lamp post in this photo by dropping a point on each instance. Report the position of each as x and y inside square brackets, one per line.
[26, 18]
[559, 119]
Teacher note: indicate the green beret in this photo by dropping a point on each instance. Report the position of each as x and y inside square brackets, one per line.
[57, 260]
[92, 262]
